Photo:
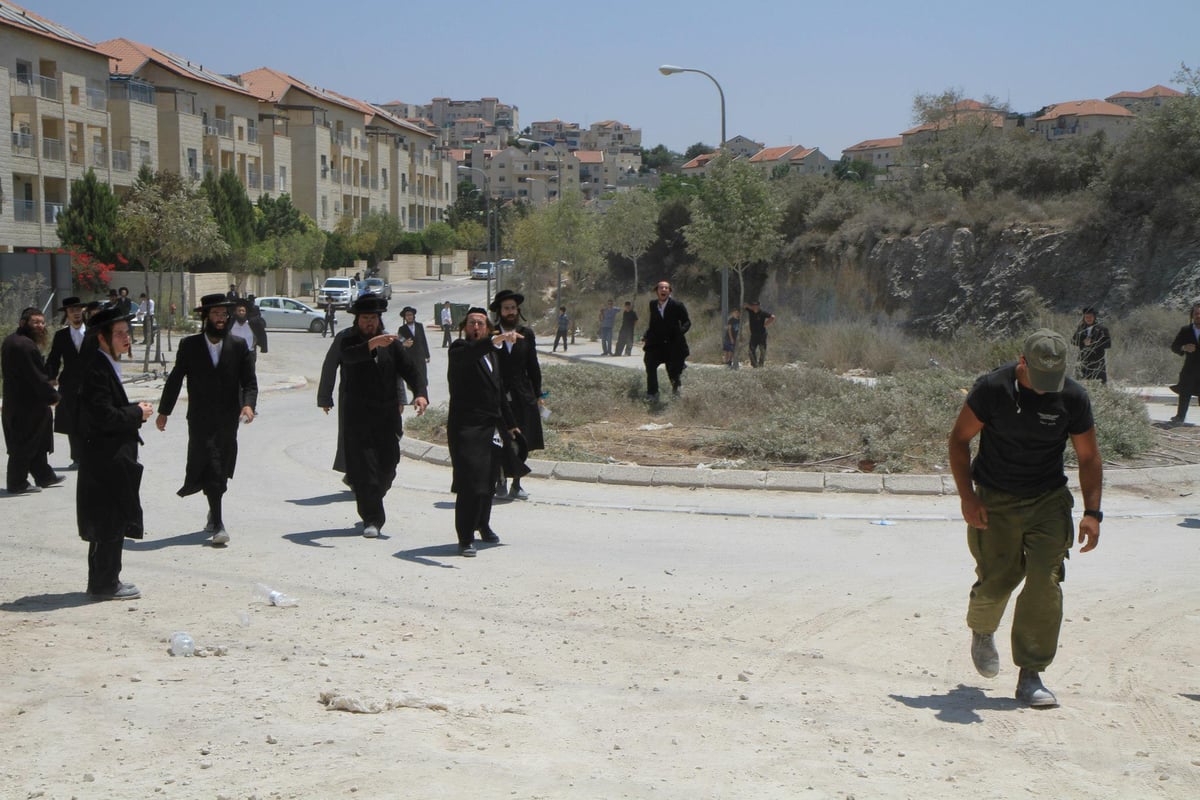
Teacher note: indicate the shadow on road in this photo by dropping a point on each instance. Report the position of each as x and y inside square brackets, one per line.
[324, 500]
[309, 538]
[960, 705]
[429, 555]
[1190, 522]
[191, 538]
[47, 602]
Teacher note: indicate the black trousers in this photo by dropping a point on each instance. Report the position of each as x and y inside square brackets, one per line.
[472, 512]
[446, 335]
[758, 352]
[21, 465]
[104, 565]
[560, 336]
[674, 370]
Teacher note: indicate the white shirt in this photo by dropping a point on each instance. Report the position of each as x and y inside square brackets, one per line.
[243, 331]
[77, 335]
[214, 350]
[446, 316]
[116, 365]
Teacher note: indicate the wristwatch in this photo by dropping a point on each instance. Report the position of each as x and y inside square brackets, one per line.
[1094, 512]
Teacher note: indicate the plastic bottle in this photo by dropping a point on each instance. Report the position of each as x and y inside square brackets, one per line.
[265, 594]
[182, 644]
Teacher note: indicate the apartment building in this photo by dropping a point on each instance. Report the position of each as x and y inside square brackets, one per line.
[778, 162]
[1145, 100]
[563, 134]
[350, 158]
[201, 121]
[53, 91]
[611, 137]
[1061, 122]
[742, 146]
[879, 153]
[514, 173]
[461, 123]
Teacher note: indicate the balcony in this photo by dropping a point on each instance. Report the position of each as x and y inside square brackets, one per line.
[341, 138]
[99, 154]
[52, 211]
[23, 144]
[335, 175]
[268, 183]
[36, 86]
[375, 183]
[253, 181]
[52, 149]
[97, 99]
[193, 174]
[223, 128]
[25, 211]
[252, 135]
[120, 160]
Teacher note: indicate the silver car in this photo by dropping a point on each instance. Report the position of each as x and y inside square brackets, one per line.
[375, 286]
[284, 312]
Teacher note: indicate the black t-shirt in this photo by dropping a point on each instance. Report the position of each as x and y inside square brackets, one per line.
[1025, 433]
[758, 323]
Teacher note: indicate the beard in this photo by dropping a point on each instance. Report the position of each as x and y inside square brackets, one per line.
[212, 331]
[511, 321]
[39, 338]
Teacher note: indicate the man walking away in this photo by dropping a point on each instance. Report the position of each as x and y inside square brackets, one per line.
[28, 397]
[108, 503]
[222, 391]
[759, 321]
[1017, 506]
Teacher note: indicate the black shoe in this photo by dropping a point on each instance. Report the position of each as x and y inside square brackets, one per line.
[1174, 388]
[55, 481]
[28, 488]
[467, 550]
[1176, 420]
[489, 536]
[124, 591]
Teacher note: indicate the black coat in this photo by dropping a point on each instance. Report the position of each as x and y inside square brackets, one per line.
[28, 396]
[1091, 356]
[216, 395]
[107, 496]
[63, 356]
[665, 337]
[1189, 374]
[477, 410]
[420, 345]
[522, 375]
[370, 417]
[329, 373]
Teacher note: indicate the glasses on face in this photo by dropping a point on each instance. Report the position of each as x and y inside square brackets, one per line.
[218, 314]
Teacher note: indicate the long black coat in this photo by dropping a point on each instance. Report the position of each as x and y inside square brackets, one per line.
[371, 421]
[28, 396]
[665, 338]
[329, 373]
[107, 496]
[478, 409]
[216, 395]
[420, 345]
[522, 375]
[63, 356]
[1189, 374]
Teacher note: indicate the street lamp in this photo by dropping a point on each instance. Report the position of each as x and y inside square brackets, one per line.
[669, 69]
[487, 213]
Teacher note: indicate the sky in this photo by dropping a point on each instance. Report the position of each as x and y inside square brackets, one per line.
[793, 72]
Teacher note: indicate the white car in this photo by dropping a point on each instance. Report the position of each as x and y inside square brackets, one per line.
[484, 270]
[284, 312]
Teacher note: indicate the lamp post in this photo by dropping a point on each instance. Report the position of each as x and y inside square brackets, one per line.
[487, 218]
[669, 69]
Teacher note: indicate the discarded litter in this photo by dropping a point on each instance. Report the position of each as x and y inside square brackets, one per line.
[182, 644]
[883, 522]
[265, 594]
[337, 701]
[655, 426]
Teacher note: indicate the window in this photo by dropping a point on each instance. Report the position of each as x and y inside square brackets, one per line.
[268, 303]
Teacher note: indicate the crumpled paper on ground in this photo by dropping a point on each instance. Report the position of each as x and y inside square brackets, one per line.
[337, 701]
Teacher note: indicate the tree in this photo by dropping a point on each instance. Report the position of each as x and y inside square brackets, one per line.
[88, 221]
[470, 235]
[231, 209]
[630, 226]
[468, 205]
[561, 235]
[165, 225]
[735, 219]
[277, 216]
[659, 159]
[698, 149]
[376, 237]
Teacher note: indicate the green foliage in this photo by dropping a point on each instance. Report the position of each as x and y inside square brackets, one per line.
[660, 159]
[87, 223]
[698, 149]
[469, 204]
[231, 209]
[630, 226]
[164, 224]
[470, 235]
[278, 217]
[563, 231]
[439, 238]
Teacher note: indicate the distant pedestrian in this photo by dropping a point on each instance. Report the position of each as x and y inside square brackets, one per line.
[330, 328]
[1017, 506]
[1092, 339]
[561, 330]
[608, 320]
[629, 320]
[729, 339]
[222, 391]
[65, 365]
[478, 422]
[28, 397]
[665, 340]
[1189, 375]
[758, 320]
[232, 294]
[412, 334]
[108, 504]
[447, 322]
[145, 315]
[124, 304]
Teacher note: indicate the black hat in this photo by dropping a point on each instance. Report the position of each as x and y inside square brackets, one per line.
[368, 304]
[92, 305]
[108, 313]
[1090, 310]
[213, 301]
[506, 294]
[407, 309]
[72, 302]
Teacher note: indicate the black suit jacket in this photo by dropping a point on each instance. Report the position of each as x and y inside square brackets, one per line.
[665, 335]
[1189, 374]
[28, 395]
[107, 498]
[63, 356]
[522, 375]
[478, 409]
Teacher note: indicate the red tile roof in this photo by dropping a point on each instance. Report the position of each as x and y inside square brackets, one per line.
[127, 57]
[876, 144]
[699, 161]
[589, 156]
[24, 20]
[1083, 108]
[1158, 90]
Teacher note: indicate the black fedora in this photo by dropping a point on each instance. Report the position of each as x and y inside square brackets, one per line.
[106, 314]
[213, 301]
[368, 304]
[72, 302]
[506, 294]
[407, 309]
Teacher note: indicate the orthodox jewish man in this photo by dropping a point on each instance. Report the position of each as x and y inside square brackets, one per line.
[522, 375]
[62, 364]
